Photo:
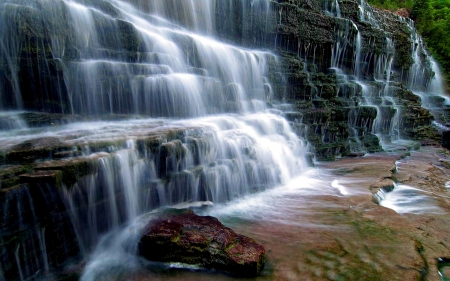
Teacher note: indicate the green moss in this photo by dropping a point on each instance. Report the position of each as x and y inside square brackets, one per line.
[175, 239]
[104, 145]
[72, 170]
[403, 59]
[425, 133]
[230, 246]
[371, 143]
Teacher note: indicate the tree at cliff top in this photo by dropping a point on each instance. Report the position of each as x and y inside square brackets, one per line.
[392, 4]
[432, 18]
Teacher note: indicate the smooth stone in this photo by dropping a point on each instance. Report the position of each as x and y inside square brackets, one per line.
[184, 237]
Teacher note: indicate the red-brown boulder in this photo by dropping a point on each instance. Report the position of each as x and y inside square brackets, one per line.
[185, 237]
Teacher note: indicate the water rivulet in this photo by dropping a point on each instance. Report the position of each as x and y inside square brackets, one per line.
[110, 109]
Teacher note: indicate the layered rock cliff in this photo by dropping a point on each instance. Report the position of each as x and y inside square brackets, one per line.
[347, 69]
[351, 72]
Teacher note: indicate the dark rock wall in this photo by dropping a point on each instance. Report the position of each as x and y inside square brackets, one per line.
[36, 232]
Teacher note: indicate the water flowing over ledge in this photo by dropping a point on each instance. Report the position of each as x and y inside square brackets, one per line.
[111, 109]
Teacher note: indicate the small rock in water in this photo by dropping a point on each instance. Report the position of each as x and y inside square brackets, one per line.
[356, 154]
[184, 237]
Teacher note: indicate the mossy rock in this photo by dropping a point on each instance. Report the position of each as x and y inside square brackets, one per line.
[328, 91]
[71, 169]
[371, 143]
[43, 176]
[32, 150]
[129, 36]
[10, 174]
[425, 133]
[149, 144]
[182, 236]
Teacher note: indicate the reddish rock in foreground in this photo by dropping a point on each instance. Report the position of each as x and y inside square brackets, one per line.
[201, 240]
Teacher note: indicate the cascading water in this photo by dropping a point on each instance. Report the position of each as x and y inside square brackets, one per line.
[407, 199]
[118, 60]
[346, 49]
[366, 14]
[332, 7]
[147, 58]
[356, 59]
[141, 66]
[213, 159]
[387, 122]
[431, 92]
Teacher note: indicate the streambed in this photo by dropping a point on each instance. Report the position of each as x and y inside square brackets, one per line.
[325, 225]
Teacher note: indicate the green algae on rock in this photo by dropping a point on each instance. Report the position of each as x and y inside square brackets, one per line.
[184, 237]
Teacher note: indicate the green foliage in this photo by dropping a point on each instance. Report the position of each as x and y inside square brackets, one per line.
[432, 19]
[392, 5]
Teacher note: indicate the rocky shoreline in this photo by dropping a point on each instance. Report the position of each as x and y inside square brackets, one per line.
[352, 237]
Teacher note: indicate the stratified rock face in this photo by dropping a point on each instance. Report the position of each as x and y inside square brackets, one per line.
[188, 238]
[352, 72]
[338, 61]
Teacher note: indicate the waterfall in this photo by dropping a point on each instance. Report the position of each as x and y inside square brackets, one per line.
[407, 199]
[220, 159]
[111, 109]
[31, 214]
[332, 7]
[205, 130]
[426, 81]
[429, 87]
[120, 60]
[356, 59]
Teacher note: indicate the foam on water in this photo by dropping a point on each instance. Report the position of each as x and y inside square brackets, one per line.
[285, 204]
[406, 199]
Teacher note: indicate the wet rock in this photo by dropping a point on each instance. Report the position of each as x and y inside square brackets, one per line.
[72, 169]
[294, 116]
[32, 150]
[9, 175]
[446, 139]
[34, 218]
[41, 119]
[372, 144]
[129, 36]
[428, 135]
[49, 176]
[356, 154]
[310, 159]
[183, 236]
